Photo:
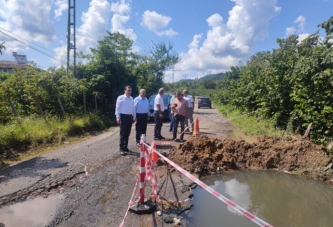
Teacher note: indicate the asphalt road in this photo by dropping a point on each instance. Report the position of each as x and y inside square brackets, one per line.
[101, 197]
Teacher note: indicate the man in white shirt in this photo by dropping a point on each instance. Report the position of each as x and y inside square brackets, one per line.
[125, 118]
[158, 114]
[190, 102]
[141, 113]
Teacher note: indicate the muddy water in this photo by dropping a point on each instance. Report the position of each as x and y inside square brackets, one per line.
[34, 213]
[278, 198]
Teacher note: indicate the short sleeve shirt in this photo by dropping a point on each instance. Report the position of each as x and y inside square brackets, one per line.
[159, 100]
[189, 100]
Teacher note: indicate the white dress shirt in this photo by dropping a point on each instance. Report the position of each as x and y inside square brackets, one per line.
[141, 105]
[124, 105]
[189, 100]
[159, 100]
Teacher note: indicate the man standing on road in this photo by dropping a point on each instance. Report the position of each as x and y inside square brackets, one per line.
[141, 111]
[180, 110]
[158, 114]
[172, 119]
[125, 118]
[190, 103]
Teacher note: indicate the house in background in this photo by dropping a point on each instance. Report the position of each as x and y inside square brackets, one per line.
[10, 66]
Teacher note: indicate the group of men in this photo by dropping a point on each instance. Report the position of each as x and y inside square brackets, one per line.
[129, 111]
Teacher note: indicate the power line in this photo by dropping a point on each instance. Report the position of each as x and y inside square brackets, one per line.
[142, 42]
[137, 32]
[137, 22]
[28, 40]
[32, 47]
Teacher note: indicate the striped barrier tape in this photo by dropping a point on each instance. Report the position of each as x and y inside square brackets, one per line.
[231, 204]
[150, 172]
[161, 142]
[130, 203]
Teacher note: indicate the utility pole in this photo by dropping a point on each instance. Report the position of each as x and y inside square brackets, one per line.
[71, 25]
[173, 76]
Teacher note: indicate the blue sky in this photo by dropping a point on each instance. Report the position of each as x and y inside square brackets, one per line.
[210, 36]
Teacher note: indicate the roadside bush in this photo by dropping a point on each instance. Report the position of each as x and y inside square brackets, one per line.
[33, 131]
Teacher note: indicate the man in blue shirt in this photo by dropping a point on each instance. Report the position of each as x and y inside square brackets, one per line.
[172, 119]
[141, 112]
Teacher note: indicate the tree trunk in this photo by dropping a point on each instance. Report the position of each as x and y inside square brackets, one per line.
[96, 102]
[307, 132]
[13, 107]
[84, 103]
[14, 110]
[39, 107]
[61, 106]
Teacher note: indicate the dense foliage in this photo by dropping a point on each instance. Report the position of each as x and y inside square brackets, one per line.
[292, 84]
[107, 70]
[45, 106]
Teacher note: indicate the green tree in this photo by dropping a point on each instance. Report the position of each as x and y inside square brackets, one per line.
[2, 47]
[151, 67]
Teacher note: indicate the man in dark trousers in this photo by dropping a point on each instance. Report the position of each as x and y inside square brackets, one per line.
[180, 111]
[141, 111]
[158, 114]
[125, 118]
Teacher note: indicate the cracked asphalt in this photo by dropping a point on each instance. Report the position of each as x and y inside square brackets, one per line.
[101, 197]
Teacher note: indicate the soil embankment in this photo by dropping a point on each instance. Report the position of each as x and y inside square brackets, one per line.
[203, 155]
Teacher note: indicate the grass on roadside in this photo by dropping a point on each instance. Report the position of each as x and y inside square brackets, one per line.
[34, 131]
[249, 124]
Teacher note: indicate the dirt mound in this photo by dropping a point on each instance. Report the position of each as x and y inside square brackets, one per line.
[203, 155]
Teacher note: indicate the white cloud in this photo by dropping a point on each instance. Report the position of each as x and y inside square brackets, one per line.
[121, 7]
[93, 28]
[121, 15]
[290, 31]
[228, 43]
[27, 19]
[303, 36]
[169, 32]
[61, 54]
[156, 23]
[300, 20]
[60, 7]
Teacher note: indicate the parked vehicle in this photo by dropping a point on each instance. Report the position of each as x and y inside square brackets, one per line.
[204, 102]
[166, 112]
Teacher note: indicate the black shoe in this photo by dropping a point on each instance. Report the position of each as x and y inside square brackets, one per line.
[181, 140]
[161, 137]
[122, 153]
[173, 139]
[125, 149]
[157, 138]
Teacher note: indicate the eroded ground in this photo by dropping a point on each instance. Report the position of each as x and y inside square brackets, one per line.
[97, 183]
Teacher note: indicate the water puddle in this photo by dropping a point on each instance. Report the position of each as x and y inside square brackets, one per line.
[35, 213]
[278, 198]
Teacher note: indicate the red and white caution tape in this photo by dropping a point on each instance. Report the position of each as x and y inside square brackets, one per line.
[161, 142]
[142, 171]
[151, 173]
[130, 203]
[231, 204]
